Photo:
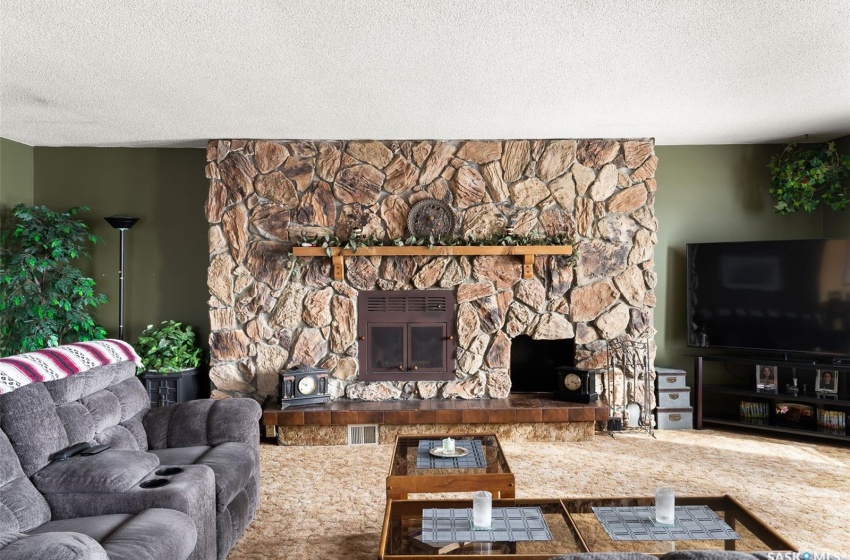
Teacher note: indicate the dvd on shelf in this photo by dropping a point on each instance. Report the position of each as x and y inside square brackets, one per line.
[832, 419]
[754, 411]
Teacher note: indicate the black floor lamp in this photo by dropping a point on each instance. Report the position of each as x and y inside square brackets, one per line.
[122, 223]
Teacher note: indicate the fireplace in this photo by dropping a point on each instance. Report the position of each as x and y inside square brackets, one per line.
[406, 335]
[271, 311]
[533, 363]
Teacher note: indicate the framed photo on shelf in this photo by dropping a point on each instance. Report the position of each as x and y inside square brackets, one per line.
[826, 382]
[766, 379]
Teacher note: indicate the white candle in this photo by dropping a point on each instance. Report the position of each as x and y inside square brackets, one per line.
[448, 445]
[665, 503]
[482, 509]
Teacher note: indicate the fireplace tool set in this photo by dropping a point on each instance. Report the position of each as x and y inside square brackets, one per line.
[628, 369]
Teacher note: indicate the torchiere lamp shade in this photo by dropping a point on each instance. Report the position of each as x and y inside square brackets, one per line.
[121, 221]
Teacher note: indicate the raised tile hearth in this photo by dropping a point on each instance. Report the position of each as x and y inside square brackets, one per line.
[520, 417]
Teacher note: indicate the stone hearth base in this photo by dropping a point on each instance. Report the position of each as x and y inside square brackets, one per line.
[536, 431]
[520, 417]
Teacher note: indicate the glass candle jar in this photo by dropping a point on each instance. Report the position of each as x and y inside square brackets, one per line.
[448, 445]
[665, 504]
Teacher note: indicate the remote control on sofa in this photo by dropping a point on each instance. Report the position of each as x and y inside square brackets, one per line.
[95, 450]
[69, 451]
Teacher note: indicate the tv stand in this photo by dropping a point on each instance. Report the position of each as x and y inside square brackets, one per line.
[791, 359]
[722, 400]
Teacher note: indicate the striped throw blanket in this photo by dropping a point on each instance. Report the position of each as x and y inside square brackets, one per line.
[62, 361]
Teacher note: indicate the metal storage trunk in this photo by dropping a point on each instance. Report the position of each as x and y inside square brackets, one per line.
[674, 398]
[676, 419]
[670, 378]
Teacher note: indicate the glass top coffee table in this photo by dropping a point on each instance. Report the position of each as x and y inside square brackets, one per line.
[402, 532]
[413, 470]
[755, 534]
[574, 528]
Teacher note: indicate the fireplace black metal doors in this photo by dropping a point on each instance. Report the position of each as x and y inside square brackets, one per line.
[406, 335]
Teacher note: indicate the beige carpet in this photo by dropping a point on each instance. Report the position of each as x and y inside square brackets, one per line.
[328, 502]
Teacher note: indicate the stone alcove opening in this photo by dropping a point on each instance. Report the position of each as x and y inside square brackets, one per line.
[533, 363]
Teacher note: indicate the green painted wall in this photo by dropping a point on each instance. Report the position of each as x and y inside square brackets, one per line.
[16, 172]
[837, 224]
[710, 193]
[166, 251]
[705, 193]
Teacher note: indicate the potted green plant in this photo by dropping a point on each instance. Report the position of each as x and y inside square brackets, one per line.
[45, 300]
[801, 176]
[171, 363]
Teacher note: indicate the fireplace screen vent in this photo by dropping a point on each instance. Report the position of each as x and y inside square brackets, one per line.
[406, 304]
[407, 335]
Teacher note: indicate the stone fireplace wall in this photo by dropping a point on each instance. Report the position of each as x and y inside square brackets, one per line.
[266, 196]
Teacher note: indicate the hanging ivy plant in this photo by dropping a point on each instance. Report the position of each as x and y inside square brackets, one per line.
[801, 176]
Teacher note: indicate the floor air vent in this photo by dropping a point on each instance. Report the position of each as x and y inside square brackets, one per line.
[363, 434]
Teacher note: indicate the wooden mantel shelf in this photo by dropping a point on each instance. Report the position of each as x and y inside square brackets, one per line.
[527, 252]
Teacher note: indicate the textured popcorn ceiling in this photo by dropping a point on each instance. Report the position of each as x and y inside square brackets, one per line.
[160, 73]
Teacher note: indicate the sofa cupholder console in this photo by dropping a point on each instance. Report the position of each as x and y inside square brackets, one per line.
[168, 471]
[114, 471]
[154, 483]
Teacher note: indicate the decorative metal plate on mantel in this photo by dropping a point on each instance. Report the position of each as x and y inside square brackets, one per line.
[431, 217]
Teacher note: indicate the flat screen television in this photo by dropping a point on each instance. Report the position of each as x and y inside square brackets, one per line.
[790, 297]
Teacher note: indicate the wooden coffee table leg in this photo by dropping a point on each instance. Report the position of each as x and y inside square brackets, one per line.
[509, 494]
[730, 520]
[396, 489]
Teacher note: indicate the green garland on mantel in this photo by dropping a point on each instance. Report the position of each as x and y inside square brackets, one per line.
[328, 241]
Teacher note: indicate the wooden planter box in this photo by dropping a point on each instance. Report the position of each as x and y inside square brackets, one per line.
[170, 388]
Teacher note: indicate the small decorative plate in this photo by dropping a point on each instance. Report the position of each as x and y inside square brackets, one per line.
[431, 217]
[458, 452]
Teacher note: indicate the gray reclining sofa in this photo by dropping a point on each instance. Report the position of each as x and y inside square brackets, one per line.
[181, 478]
[27, 532]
